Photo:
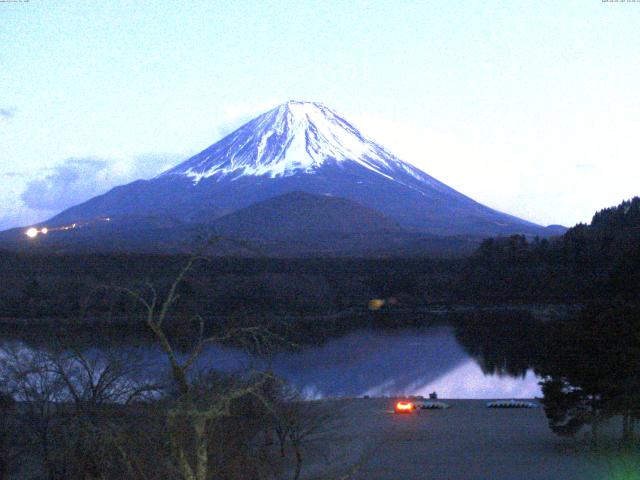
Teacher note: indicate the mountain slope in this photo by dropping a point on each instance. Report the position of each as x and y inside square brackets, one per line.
[125, 233]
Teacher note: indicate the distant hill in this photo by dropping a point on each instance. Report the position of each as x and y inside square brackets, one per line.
[300, 223]
[304, 216]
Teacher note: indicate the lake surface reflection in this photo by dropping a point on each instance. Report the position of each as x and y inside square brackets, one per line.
[367, 362]
[383, 363]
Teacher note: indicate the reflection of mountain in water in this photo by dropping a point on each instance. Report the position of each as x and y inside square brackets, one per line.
[382, 363]
[376, 363]
[470, 381]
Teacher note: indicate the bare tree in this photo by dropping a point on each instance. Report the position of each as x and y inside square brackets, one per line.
[299, 423]
[192, 416]
[11, 438]
[27, 375]
[101, 388]
[68, 401]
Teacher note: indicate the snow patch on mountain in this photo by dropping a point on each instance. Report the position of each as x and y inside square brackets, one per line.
[296, 137]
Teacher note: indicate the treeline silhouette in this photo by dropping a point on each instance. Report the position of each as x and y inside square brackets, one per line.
[59, 286]
[596, 261]
[600, 260]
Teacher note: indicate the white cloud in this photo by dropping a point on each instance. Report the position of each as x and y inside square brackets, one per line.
[7, 113]
[25, 200]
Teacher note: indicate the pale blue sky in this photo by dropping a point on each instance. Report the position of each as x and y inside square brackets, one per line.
[531, 107]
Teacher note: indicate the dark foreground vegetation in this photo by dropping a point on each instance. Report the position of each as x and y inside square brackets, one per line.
[74, 416]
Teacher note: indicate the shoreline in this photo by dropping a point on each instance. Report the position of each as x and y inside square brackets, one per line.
[542, 311]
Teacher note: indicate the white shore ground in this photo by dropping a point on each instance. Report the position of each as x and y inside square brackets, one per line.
[466, 442]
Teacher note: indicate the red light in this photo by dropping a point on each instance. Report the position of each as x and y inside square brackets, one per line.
[404, 407]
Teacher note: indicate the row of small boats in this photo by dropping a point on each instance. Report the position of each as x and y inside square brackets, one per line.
[408, 407]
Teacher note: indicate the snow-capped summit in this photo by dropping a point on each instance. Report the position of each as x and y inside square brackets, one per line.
[295, 137]
[300, 147]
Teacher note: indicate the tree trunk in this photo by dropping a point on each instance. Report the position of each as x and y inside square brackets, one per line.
[4, 467]
[626, 429]
[298, 462]
[282, 440]
[48, 464]
[268, 439]
[178, 452]
[202, 448]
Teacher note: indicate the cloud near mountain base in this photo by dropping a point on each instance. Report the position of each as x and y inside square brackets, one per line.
[7, 113]
[75, 180]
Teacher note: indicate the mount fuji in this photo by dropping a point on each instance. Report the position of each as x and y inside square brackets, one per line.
[299, 147]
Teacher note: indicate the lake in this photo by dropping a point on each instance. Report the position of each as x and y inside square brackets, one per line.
[383, 363]
[376, 363]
